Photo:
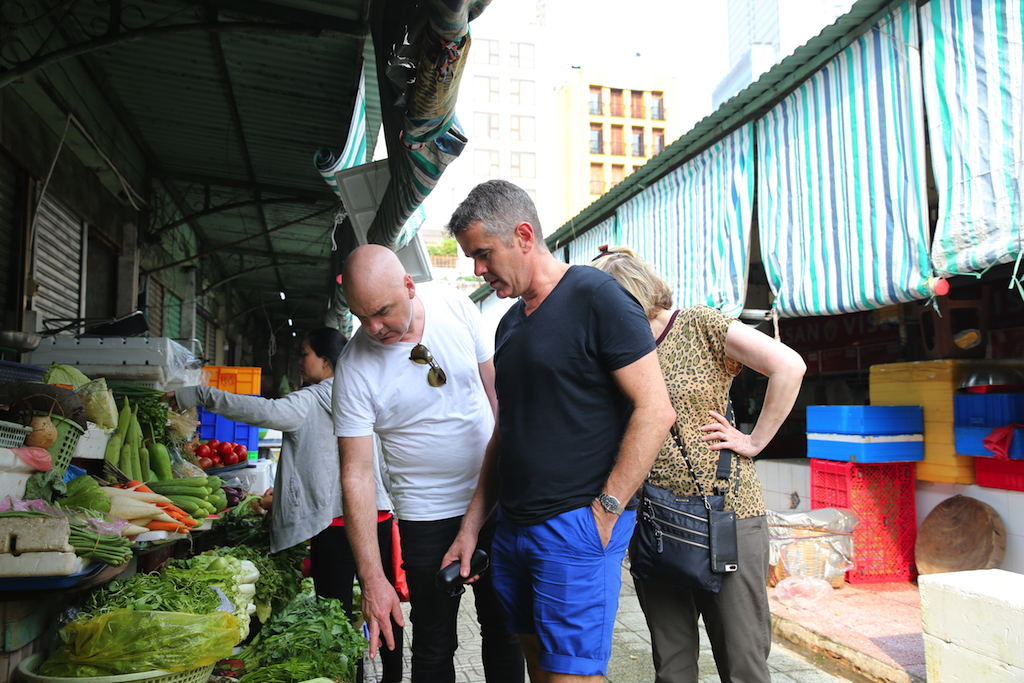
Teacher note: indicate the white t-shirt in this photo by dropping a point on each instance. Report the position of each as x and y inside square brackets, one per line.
[433, 437]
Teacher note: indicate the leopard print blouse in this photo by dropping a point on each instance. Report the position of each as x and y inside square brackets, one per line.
[698, 375]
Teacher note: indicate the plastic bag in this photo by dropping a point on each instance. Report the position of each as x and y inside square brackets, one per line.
[99, 403]
[132, 641]
[36, 458]
[804, 593]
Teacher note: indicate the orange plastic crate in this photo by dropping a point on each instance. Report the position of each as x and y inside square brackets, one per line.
[882, 497]
[234, 380]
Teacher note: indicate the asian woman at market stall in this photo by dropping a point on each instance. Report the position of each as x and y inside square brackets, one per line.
[701, 350]
[305, 502]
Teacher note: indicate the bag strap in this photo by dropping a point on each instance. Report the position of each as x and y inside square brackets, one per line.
[724, 470]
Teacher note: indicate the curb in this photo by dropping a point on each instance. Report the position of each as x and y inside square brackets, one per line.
[844, 656]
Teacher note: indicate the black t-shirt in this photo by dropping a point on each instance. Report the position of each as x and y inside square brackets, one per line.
[561, 414]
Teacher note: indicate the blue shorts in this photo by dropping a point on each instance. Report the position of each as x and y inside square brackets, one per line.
[556, 582]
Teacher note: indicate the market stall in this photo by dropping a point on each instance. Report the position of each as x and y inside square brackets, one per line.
[132, 541]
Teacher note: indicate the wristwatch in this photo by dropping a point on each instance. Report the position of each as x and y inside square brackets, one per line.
[610, 503]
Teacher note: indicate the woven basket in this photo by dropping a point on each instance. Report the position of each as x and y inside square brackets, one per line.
[807, 550]
[12, 434]
[28, 667]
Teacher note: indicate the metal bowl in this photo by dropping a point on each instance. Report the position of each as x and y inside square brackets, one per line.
[22, 342]
[992, 380]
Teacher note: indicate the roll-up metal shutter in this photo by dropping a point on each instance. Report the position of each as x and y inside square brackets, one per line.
[210, 343]
[10, 256]
[201, 326]
[58, 257]
[155, 307]
[172, 316]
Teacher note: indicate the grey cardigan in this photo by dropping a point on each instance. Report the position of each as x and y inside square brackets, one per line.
[307, 488]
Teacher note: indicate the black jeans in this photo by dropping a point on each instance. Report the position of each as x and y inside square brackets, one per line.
[333, 567]
[435, 614]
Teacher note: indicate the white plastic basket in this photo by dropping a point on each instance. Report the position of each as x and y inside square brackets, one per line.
[12, 434]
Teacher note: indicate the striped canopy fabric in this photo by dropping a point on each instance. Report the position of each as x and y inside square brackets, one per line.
[974, 97]
[693, 225]
[355, 143]
[842, 211]
[584, 248]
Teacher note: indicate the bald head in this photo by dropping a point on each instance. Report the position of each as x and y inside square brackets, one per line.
[371, 268]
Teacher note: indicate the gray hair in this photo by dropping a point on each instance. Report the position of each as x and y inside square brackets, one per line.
[499, 206]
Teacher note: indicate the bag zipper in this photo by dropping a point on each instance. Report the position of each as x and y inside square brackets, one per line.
[679, 512]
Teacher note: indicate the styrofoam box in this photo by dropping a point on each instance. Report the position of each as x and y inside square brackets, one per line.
[106, 351]
[92, 445]
[866, 448]
[13, 474]
[40, 564]
[874, 420]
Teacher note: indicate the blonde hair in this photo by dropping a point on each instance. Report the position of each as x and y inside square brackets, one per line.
[638, 277]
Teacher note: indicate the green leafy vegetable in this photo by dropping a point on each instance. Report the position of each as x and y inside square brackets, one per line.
[65, 374]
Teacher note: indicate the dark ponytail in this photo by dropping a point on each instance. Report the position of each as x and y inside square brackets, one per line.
[326, 343]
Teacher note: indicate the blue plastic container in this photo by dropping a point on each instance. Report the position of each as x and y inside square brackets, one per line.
[865, 420]
[971, 441]
[213, 426]
[987, 410]
[866, 449]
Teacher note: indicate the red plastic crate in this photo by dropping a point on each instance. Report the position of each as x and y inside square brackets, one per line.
[882, 497]
[1000, 474]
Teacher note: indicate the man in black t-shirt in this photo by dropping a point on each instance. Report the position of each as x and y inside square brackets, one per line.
[582, 413]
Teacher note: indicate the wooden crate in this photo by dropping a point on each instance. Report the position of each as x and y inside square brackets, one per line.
[932, 385]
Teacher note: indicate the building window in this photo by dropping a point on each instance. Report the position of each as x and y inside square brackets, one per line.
[636, 105]
[617, 144]
[485, 88]
[524, 165]
[521, 92]
[636, 168]
[532, 194]
[596, 105]
[597, 179]
[615, 104]
[485, 162]
[659, 140]
[618, 174]
[485, 125]
[523, 128]
[486, 51]
[657, 106]
[521, 55]
[596, 138]
[637, 141]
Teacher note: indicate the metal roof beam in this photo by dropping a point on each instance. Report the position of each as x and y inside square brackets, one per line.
[253, 187]
[293, 15]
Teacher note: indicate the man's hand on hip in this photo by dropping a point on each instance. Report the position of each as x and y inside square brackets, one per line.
[380, 604]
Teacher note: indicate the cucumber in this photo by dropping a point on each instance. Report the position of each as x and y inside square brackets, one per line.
[189, 504]
[183, 481]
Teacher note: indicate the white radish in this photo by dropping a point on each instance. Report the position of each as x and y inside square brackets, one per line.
[143, 496]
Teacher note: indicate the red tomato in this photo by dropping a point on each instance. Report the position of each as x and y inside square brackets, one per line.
[212, 443]
[231, 458]
[223, 448]
[242, 452]
[205, 463]
[216, 460]
[203, 451]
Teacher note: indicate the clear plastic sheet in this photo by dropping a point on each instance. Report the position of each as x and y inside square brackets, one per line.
[804, 593]
[811, 543]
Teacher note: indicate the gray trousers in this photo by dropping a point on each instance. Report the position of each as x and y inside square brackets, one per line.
[737, 618]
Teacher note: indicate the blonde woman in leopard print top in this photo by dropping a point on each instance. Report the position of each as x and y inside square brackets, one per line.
[701, 350]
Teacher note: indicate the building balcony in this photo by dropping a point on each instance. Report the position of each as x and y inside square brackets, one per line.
[617, 148]
[596, 108]
[596, 147]
[596, 187]
[658, 112]
[638, 111]
[638, 150]
[658, 147]
[616, 109]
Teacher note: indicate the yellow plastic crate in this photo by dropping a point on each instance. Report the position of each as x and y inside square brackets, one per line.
[932, 384]
[234, 380]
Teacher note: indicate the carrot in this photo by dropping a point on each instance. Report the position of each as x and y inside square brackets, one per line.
[173, 527]
[179, 515]
[139, 486]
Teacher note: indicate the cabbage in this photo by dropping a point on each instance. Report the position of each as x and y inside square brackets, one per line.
[99, 403]
[66, 375]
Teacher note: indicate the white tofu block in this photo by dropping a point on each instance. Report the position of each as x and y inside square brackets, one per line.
[34, 535]
[949, 663]
[978, 611]
[40, 564]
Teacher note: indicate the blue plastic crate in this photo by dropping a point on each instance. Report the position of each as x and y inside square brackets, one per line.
[213, 426]
[11, 371]
[987, 410]
[866, 449]
[866, 420]
[971, 441]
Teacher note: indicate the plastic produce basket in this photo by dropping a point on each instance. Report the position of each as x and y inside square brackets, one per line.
[882, 497]
[213, 426]
[234, 380]
[28, 668]
[19, 372]
[12, 434]
[68, 434]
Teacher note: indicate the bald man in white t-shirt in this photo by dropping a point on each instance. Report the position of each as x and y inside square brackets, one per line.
[420, 375]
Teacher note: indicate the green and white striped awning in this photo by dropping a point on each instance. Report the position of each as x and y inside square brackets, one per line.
[693, 225]
[974, 93]
[842, 210]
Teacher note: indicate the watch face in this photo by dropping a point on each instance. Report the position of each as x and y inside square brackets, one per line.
[610, 503]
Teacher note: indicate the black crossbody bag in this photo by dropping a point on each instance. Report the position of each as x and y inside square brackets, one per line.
[689, 541]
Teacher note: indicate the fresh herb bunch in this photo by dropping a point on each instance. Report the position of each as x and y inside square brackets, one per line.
[312, 637]
[160, 591]
[280, 575]
[151, 411]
